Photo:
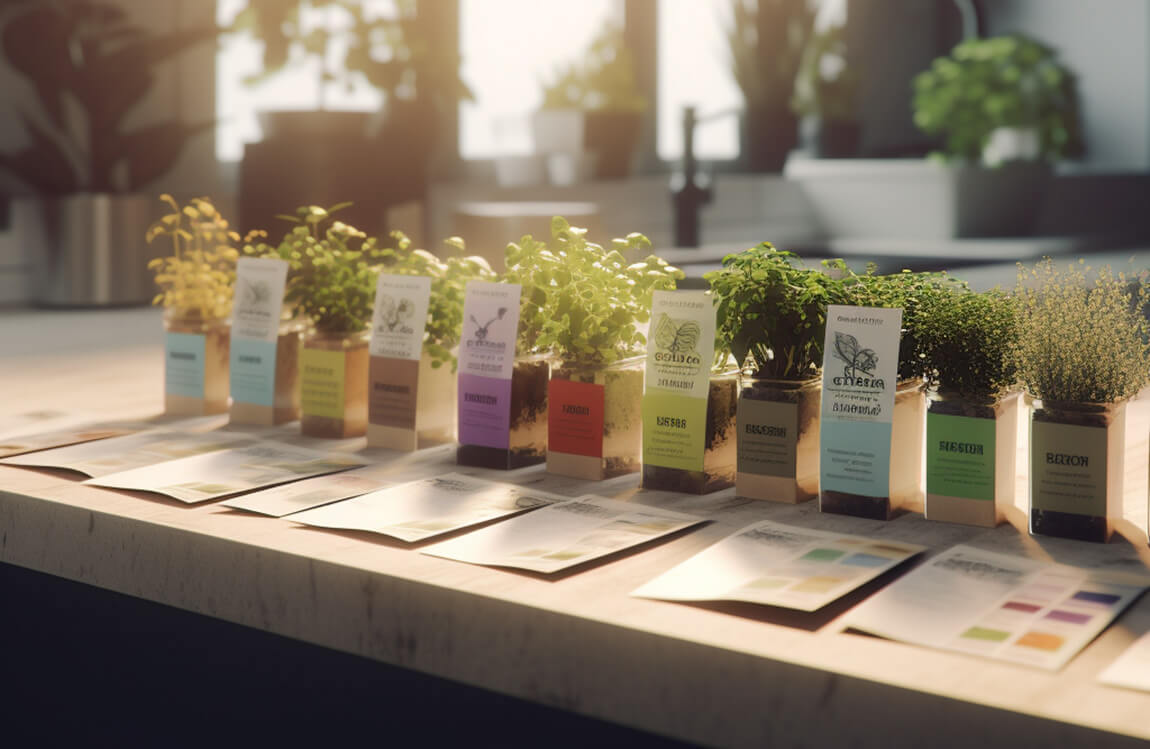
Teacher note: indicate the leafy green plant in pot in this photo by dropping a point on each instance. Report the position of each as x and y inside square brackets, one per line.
[586, 307]
[195, 284]
[825, 97]
[913, 293]
[594, 106]
[766, 39]
[412, 392]
[973, 420]
[332, 282]
[1082, 350]
[771, 317]
[1005, 102]
[90, 68]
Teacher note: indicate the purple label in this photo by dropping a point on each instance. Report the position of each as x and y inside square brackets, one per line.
[484, 411]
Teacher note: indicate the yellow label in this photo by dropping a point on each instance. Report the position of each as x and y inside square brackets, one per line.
[321, 382]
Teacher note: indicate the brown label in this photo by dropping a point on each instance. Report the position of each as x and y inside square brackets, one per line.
[392, 392]
[768, 437]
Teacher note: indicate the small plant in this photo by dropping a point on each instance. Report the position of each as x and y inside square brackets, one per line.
[448, 283]
[969, 341]
[771, 313]
[604, 78]
[196, 279]
[583, 302]
[985, 84]
[1080, 341]
[909, 291]
[333, 269]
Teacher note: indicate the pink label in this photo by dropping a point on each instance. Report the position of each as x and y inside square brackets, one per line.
[484, 411]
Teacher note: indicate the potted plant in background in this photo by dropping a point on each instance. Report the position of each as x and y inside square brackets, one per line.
[912, 293]
[1082, 351]
[825, 98]
[404, 52]
[334, 268]
[397, 417]
[588, 306]
[972, 421]
[771, 317]
[766, 39]
[196, 292]
[1006, 108]
[91, 68]
[592, 112]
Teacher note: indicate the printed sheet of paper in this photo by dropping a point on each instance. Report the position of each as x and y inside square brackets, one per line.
[999, 606]
[419, 510]
[779, 565]
[200, 478]
[19, 444]
[117, 454]
[304, 495]
[1132, 668]
[564, 535]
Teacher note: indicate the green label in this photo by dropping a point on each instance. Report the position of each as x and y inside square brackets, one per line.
[960, 456]
[321, 382]
[674, 431]
[1068, 468]
[768, 437]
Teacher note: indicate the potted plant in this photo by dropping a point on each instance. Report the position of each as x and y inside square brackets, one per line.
[972, 421]
[592, 106]
[766, 39]
[771, 317]
[334, 268]
[1006, 108]
[912, 293]
[825, 97]
[90, 68]
[412, 396]
[196, 292]
[1082, 352]
[586, 307]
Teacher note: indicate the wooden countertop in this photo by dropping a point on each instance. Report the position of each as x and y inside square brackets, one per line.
[716, 674]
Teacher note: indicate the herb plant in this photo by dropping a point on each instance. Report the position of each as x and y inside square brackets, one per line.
[196, 280]
[825, 86]
[909, 291]
[969, 341]
[1008, 81]
[771, 313]
[449, 279]
[333, 269]
[583, 302]
[1081, 341]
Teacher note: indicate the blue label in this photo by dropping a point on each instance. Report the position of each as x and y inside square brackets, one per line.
[184, 364]
[253, 371]
[854, 457]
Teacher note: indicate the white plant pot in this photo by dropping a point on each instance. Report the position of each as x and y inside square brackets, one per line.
[558, 130]
[520, 171]
[920, 199]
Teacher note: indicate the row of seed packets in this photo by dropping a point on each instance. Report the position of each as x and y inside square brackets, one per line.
[964, 599]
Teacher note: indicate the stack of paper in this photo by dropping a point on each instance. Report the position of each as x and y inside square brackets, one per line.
[117, 454]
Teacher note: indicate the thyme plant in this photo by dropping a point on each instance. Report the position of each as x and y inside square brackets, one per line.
[771, 313]
[1081, 341]
[583, 302]
[196, 279]
[969, 341]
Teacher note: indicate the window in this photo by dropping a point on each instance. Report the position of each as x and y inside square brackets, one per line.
[693, 69]
[510, 48]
